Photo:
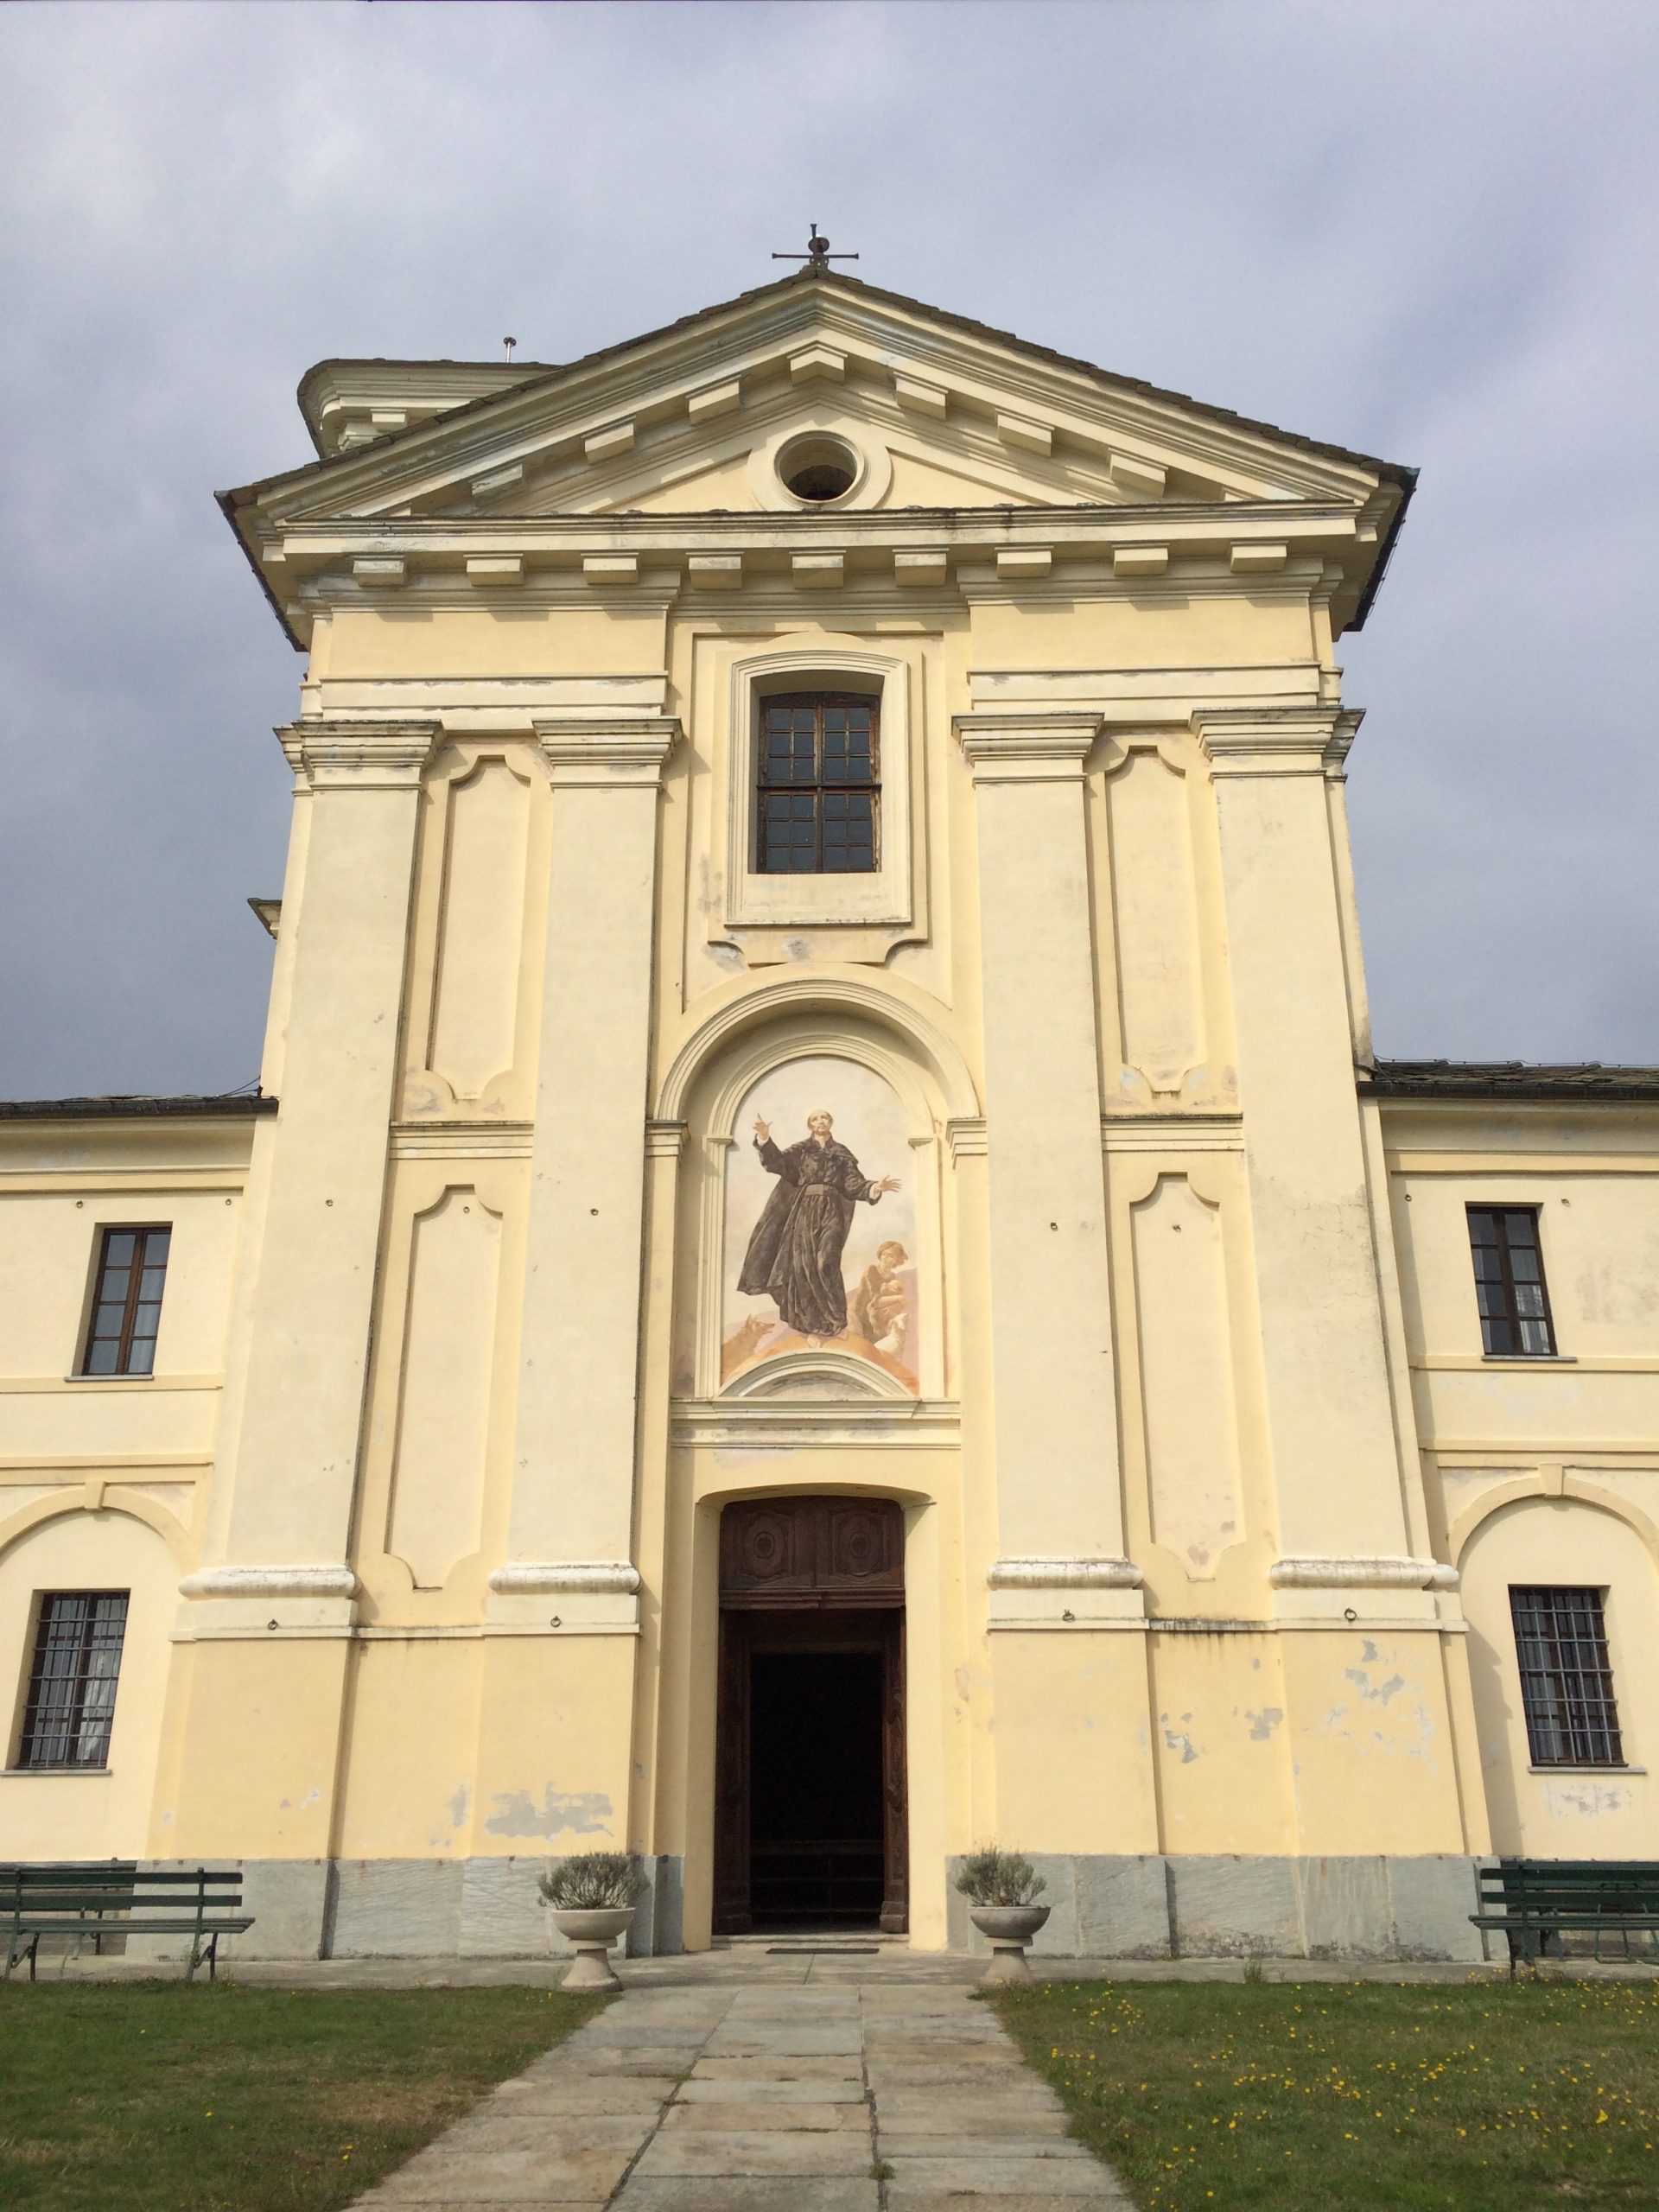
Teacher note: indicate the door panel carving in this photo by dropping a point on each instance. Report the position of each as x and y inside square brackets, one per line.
[818, 1551]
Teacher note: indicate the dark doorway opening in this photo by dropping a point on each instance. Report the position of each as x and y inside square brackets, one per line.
[816, 1854]
[810, 1825]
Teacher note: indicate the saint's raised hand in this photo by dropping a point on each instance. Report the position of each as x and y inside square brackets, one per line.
[762, 1130]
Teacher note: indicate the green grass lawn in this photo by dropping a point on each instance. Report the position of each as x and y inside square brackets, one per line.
[216, 2098]
[1358, 2097]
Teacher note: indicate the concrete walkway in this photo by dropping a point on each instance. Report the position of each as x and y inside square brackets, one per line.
[822, 2096]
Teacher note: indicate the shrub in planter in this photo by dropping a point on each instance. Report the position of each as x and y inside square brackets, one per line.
[592, 1896]
[1001, 1887]
[991, 1877]
[595, 1881]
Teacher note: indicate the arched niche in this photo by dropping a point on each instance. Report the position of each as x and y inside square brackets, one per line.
[73, 1543]
[885, 1098]
[1564, 1539]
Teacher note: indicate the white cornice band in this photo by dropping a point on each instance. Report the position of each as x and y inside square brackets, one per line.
[540, 1578]
[1059, 1573]
[1308, 1572]
[269, 1582]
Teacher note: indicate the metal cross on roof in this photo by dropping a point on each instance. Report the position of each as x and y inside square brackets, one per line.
[818, 254]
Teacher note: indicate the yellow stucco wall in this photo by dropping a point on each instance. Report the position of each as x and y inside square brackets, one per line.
[1203, 1431]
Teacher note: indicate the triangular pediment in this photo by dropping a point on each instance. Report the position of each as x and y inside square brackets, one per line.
[669, 423]
[934, 414]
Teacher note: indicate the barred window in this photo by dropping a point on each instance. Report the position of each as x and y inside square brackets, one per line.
[818, 784]
[127, 1302]
[1566, 1685]
[1509, 1281]
[72, 1679]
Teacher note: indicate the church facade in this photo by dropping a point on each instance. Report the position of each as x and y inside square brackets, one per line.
[823, 1271]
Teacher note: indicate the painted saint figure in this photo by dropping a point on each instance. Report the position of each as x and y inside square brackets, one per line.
[794, 1255]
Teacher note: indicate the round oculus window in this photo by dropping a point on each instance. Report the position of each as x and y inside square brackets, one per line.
[818, 468]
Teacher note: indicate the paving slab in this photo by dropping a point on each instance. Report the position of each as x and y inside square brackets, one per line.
[959, 2178]
[901, 2197]
[871, 2096]
[759, 2066]
[683, 2193]
[774, 2151]
[747, 2118]
[766, 2090]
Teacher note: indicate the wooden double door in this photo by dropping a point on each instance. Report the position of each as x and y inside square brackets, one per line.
[809, 1821]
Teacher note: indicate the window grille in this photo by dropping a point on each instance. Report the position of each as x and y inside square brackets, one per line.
[72, 1679]
[127, 1302]
[818, 784]
[1566, 1684]
[1509, 1288]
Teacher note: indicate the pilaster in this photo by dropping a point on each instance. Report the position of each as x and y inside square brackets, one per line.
[268, 1616]
[1059, 1512]
[571, 1529]
[1335, 1456]
[287, 1471]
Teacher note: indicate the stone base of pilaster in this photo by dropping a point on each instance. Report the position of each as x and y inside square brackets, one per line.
[1105, 1905]
[414, 1909]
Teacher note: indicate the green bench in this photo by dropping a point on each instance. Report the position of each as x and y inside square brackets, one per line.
[1535, 1901]
[115, 1897]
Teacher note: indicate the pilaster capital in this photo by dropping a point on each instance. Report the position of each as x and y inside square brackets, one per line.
[611, 752]
[1028, 744]
[1301, 740]
[328, 755]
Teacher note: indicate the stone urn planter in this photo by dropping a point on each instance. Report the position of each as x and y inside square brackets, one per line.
[1010, 1927]
[590, 1934]
[590, 1900]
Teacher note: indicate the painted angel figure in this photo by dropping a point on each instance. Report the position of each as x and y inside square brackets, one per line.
[794, 1255]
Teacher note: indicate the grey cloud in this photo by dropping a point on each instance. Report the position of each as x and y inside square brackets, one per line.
[1417, 230]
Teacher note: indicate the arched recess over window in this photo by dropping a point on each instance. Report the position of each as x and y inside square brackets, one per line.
[887, 1117]
[819, 775]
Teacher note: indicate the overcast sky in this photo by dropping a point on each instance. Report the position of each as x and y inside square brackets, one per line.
[1427, 231]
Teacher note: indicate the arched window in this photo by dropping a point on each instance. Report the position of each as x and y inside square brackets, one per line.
[817, 784]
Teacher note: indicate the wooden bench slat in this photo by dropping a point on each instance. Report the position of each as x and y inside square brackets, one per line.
[107, 1897]
[1530, 1900]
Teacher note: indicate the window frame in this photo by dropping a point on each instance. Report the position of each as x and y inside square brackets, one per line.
[754, 905]
[819, 788]
[1555, 1697]
[44, 1724]
[1506, 1283]
[128, 1335]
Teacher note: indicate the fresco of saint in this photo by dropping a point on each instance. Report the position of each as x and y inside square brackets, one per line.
[794, 1255]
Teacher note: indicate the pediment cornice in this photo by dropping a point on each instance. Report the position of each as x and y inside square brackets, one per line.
[1010, 419]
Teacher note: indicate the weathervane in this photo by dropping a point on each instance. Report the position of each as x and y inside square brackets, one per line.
[818, 255]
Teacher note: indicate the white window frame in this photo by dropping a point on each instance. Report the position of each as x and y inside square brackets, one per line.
[886, 895]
